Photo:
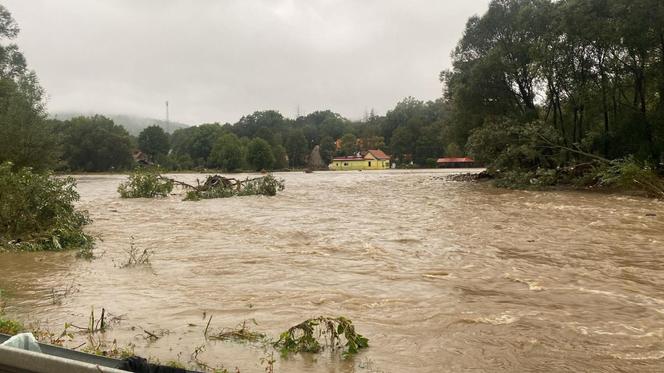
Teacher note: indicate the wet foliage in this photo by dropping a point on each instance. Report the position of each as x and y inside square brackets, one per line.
[145, 184]
[219, 187]
[38, 213]
[313, 335]
[10, 327]
[629, 174]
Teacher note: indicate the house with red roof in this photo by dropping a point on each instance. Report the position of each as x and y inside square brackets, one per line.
[374, 159]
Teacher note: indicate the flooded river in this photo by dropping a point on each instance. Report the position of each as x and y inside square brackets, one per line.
[440, 276]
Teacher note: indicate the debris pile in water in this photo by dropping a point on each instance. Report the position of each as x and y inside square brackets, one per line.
[468, 177]
[217, 186]
[150, 184]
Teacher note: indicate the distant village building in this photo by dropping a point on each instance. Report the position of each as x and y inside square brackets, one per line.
[464, 162]
[141, 158]
[372, 160]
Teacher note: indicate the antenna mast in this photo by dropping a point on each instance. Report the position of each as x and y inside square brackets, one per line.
[167, 119]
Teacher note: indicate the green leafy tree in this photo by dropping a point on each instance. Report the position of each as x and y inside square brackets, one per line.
[327, 149]
[297, 148]
[227, 153]
[26, 138]
[280, 157]
[597, 71]
[453, 150]
[259, 154]
[402, 142]
[154, 142]
[96, 144]
[196, 142]
[349, 144]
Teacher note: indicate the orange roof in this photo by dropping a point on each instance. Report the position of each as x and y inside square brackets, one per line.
[455, 160]
[379, 154]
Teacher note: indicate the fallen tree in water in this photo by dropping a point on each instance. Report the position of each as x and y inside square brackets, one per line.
[217, 186]
[470, 176]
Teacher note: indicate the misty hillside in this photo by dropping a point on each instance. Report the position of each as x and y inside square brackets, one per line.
[133, 124]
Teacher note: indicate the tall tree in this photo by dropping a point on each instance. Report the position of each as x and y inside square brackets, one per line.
[227, 153]
[96, 144]
[259, 154]
[26, 138]
[154, 142]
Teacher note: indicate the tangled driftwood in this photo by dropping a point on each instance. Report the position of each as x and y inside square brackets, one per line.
[214, 181]
[217, 186]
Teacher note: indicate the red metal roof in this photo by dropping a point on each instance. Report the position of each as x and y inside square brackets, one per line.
[455, 160]
[379, 154]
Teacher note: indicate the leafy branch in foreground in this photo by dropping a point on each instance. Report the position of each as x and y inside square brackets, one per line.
[306, 336]
[37, 212]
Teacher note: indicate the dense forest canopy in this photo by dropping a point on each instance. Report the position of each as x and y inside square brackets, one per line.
[543, 84]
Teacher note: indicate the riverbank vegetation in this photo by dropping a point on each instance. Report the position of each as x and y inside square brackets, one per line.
[38, 213]
[565, 92]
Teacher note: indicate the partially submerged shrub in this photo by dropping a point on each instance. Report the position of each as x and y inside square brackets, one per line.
[145, 184]
[37, 212]
[304, 337]
[136, 256]
[10, 327]
[266, 186]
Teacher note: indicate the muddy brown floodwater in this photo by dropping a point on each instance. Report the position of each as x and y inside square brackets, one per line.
[440, 276]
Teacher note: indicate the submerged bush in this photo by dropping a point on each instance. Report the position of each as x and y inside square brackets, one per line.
[37, 212]
[306, 336]
[145, 184]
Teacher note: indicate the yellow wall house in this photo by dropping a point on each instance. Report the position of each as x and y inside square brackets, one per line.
[372, 160]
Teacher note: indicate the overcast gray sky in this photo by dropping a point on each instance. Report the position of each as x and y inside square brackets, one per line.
[215, 60]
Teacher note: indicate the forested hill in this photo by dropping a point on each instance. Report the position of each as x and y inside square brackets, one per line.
[133, 124]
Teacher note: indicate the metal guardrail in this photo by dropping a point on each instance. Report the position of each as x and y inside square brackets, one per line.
[55, 359]
[15, 360]
[65, 354]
